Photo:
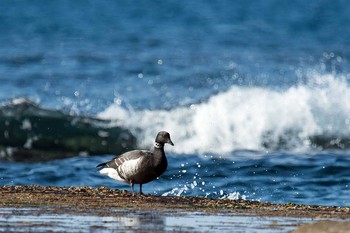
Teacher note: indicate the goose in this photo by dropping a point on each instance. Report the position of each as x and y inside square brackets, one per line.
[139, 166]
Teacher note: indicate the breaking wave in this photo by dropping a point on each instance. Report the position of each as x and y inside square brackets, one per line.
[308, 116]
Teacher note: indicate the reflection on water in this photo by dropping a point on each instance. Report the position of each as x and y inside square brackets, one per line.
[147, 221]
[55, 220]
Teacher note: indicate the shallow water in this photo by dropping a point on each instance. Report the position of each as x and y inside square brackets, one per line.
[41, 220]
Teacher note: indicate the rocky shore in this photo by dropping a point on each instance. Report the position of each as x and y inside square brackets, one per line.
[101, 200]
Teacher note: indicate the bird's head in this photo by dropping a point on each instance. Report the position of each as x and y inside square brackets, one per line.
[164, 137]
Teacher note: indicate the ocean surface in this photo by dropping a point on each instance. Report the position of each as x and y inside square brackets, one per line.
[255, 94]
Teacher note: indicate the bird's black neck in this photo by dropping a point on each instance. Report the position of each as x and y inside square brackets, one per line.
[160, 160]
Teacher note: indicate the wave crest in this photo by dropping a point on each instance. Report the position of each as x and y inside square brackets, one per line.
[315, 115]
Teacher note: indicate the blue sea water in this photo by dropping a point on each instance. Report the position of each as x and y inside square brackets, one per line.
[245, 89]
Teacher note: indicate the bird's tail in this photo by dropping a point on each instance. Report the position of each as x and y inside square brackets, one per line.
[101, 166]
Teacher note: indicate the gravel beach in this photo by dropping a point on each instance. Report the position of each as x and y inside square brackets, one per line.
[87, 201]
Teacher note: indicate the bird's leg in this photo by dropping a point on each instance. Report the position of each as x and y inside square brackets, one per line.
[141, 193]
[132, 188]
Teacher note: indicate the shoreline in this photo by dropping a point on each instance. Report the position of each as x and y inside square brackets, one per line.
[37, 208]
[100, 200]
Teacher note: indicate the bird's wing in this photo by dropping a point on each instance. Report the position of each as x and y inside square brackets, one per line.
[131, 163]
[125, 166]
[128, 156]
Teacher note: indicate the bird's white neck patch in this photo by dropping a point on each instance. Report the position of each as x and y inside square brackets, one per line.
[158, 145]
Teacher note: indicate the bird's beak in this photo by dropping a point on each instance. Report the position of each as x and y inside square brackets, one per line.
[170, 142]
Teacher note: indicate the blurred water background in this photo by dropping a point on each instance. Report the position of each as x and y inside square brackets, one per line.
[255, 95]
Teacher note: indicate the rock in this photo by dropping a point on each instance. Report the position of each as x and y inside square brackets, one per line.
[29, 133]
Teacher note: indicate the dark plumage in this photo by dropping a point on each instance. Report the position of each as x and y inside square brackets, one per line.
[139, 166]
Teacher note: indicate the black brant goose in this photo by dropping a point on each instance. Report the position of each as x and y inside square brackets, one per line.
[139, 166]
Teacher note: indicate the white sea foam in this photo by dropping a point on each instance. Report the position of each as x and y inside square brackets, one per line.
[248, 118]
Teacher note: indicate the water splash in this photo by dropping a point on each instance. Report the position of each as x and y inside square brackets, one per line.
[298, 118]
[190, 188]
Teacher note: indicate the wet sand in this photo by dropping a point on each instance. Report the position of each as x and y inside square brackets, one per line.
[121, 208]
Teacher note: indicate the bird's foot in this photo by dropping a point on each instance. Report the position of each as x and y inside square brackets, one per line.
[139, 195]
[142, 194]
